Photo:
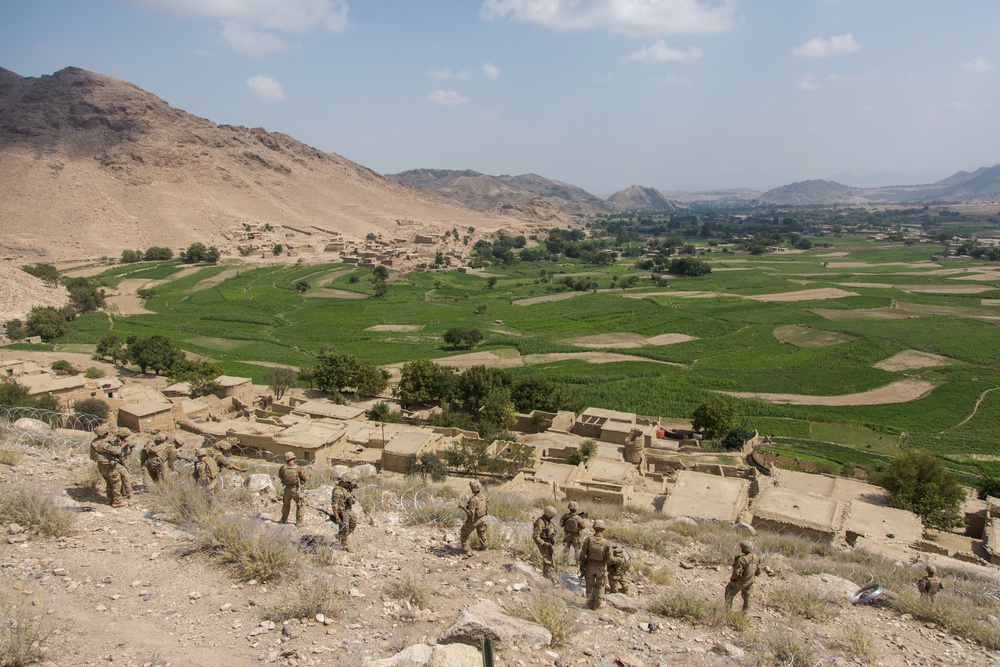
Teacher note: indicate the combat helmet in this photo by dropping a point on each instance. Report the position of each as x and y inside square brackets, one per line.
[476, 486]
[550, 511]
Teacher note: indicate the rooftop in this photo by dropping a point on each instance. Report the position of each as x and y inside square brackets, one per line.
[702, 496]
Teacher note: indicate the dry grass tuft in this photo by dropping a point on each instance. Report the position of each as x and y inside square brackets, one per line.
[639, 537]
[856, 643]
[315, 594]
[956, 614]
[21, 637]
[36, 512]
[182, 501]
[411, 588]
[551, 612]
[254, 550]
[800, 602]
[11, 457]
[682, 605]
[511, 507]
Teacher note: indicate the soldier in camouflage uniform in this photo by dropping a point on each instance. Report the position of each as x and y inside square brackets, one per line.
[107, 453]
[930, 584]
[293, 477]
[476, 511]
[221, 455]
[205, 473]
[544, 535]
[572, 524]
[618, 568]
[343, 508]
[155, 456]
[594, 556]
[746, 569]
[127, 441]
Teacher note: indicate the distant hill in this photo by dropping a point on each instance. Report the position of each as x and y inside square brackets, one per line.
[90, 165]
[639, 198]
[501, 194]
[980, 185]
[810, 192]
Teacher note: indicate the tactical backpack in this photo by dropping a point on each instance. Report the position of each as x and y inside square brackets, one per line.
[595, 552]
[572, 524]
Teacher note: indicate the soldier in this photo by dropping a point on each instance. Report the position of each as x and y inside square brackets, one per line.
[930, 584]
[205, 473]
[154, 456]
[221, 455]
[127, 440]
[343, 508]
[106, 452]
[746, 568]
[544, 535]
[618, 568]
[293, 477]
[572, 525]
[594, 555]
[476, 511]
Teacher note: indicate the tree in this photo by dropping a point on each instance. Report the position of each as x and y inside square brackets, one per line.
[84, 296]
[110, 346]
[369, 379]
[46, 272]
[195, 253]
[498, 409]
[423, 382]
[46, 322]
[156, 352]
[301, 287]
[277, 248]
[335, 371]
[279, 379]
[63, 367]
[380, 273]
[714, 417]
[688, 266]
[382, 412]
[15, 330]
[212, 255]
[468, 338]
[477, 382]
[491, 282]
[583, 453]
[918, 481]
[737, 437]
[94, 407]
[380, 288]
[158, 254]
[130, 256]
[307, 375]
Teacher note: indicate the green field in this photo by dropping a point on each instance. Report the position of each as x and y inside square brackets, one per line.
[257, 315]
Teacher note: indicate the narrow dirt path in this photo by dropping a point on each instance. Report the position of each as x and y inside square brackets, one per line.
[975, 408]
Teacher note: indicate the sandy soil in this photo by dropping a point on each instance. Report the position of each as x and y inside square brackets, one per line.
[990, 302]
[681, 294]
[396, 327]
[547, 298]
[628, 340]
[874, 285]
[590, 357]
[326, 293]
[804, 295]
[212, 281]
[330, 277]
[800, 336]
[902, 391]
[946, 289]
[910, 359]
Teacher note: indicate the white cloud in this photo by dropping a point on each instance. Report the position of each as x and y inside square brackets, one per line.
[446, 97]
[248, 25]
[639, 18]
[978, 65]
[673, 80]
[266, 88]
[491, 71]
[820, 47]
[659, 52]
[808, 81]
[249, 41]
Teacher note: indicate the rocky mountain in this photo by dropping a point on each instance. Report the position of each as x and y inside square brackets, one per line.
[500, 194]
[810, 192]
[90, 164]
[639, 198]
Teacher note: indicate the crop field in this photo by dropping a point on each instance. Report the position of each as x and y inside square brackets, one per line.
[738, 331]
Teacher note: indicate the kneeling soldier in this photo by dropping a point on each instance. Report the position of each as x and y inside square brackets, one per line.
[618, 568]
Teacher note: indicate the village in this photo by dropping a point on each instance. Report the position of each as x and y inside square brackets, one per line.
[638, 461]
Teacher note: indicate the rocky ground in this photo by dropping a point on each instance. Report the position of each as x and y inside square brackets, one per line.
[128, 588]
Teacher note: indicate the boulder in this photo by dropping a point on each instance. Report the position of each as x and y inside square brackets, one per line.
[319, 497]
[339, 470]
[486, 619]
[365, 470]
[259, 483]
[623, 602]
[418, 655]
[32, 426]
[456, 655]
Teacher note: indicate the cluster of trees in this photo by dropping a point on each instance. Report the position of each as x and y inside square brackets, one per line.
[150, 254]
[47, 322]
[499, 251]
[198, 252]
[335, 372]
[467, 338]
[379, 286]
[159, 355]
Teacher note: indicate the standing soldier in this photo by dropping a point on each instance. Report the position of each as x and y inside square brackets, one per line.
[594, 556]
[930, 584]
[544, 535]
[127, 441]
[221, 455]
[343, 508]
[572, 525]
[205, 472]
[476, 511]
[293, 477]
[746, 569]
[618, 567]
[155, 456]
[106, 452]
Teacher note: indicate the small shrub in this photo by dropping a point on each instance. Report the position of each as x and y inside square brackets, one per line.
[93, 373]
[410, 587]
[681, 605]
[640, 537]
[511, 507]
[433, 511]
[11, 457]
[855, 641]
[63, 367]
[36, 511]
[181, 501]
[551, 612]
[255, 550]
[21, 637]
[315, 594]
[801, 602]
[94, 407]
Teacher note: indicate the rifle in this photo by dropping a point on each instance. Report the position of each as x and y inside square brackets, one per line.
[330, 516]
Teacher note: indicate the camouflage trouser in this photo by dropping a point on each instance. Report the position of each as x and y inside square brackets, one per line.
[470, 527]
[617, 580]
[572, 542]
[744, 588]
[210, 485]
[291, 493]
[112, 483]
[548, 562]
[126, 480]
[347, 526]
[596, 578]
[157, 471]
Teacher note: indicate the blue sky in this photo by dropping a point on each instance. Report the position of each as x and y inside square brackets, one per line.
[603, 94]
